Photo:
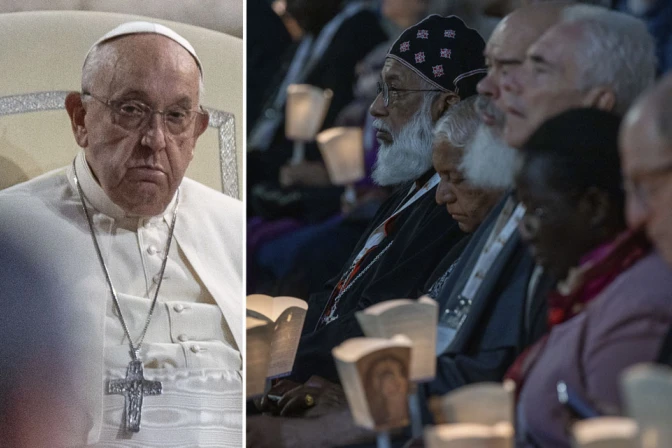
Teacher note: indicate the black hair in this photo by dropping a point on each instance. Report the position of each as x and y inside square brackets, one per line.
[581, 146]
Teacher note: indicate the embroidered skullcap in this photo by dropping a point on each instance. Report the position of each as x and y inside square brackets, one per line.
[444, 52]
[129, 28]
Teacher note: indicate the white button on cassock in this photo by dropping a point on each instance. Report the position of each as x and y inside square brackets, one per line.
[183, 338]
[178, 308]
[196, 348]
[151, 250]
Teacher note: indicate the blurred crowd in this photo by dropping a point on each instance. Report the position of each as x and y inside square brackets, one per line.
[518, 171]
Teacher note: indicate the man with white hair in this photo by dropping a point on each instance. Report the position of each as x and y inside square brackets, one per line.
[477, 344]
[153, 259]
[593, 57]
[496, 274]
[646, 161]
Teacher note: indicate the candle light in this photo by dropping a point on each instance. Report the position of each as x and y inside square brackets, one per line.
[306, 108]
[343, 153]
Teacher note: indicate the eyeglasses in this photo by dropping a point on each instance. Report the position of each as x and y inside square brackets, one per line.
[386, 90]
[645, 190]
[133, 115]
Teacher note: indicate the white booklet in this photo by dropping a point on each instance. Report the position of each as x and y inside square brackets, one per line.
[416, 319]
[258, 353]
[288, 315]
[374, 374]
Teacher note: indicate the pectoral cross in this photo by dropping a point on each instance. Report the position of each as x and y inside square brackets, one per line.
[134, 388]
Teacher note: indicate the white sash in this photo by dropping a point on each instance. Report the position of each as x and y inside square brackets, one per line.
[490, 253]
[446, 331]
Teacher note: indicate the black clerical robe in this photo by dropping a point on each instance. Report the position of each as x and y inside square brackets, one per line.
[501, 321]
[422, 234]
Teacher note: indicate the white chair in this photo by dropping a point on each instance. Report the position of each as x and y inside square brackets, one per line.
[647, 395]
[42, 55]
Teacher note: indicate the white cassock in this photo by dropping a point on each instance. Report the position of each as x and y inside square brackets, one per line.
[194, 339]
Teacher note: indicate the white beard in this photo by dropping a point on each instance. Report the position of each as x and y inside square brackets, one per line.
[409, 155]
[489, 162]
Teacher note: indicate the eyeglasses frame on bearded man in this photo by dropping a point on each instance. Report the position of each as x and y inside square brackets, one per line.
[385, 90]
[139, 118]
[645, 191]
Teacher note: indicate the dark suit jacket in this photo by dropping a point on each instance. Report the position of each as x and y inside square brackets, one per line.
[422, 235]
[495, 330]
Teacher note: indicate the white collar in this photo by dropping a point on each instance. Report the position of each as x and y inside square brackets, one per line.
[96, 196]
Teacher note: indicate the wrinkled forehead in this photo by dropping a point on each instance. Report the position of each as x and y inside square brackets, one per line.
[445, 155]
[402, 76]
[146, 57]
[559, 43]
[510, 40]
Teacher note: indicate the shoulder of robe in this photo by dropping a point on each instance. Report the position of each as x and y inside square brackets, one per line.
[46, 186]
[211, 202]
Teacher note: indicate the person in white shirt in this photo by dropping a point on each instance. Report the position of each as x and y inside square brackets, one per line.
[153, 259]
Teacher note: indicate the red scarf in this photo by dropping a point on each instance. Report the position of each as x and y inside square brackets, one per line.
[595, 272]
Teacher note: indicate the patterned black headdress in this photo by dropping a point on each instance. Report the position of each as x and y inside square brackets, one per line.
[444, 52]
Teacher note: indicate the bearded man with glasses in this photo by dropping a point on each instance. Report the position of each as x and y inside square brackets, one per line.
[153, 259]
[432, 66]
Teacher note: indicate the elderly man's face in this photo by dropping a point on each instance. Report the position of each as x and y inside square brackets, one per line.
[401, 106]
[405, 126]
[504, 55]
[140, 169]
[646, 159]
[547, 84]
[468, 205]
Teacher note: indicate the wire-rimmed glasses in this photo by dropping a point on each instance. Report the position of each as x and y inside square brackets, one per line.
[385, 90]
[133, 115]
[645, 190]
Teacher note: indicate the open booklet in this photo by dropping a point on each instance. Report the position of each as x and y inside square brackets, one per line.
[416, 319]
[288, 315]
[258, 353]
[469, 435]
[374, 374]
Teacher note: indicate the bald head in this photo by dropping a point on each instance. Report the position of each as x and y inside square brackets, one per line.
[111, 55]
[538, 16]
[661, 105]
[646, 154]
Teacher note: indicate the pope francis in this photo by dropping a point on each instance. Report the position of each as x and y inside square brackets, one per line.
[153, 260]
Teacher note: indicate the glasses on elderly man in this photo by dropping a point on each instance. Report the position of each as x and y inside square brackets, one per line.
[133, 115]
[646, 189]
[387, 90]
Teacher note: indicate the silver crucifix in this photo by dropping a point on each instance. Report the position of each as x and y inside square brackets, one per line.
[134, 388]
